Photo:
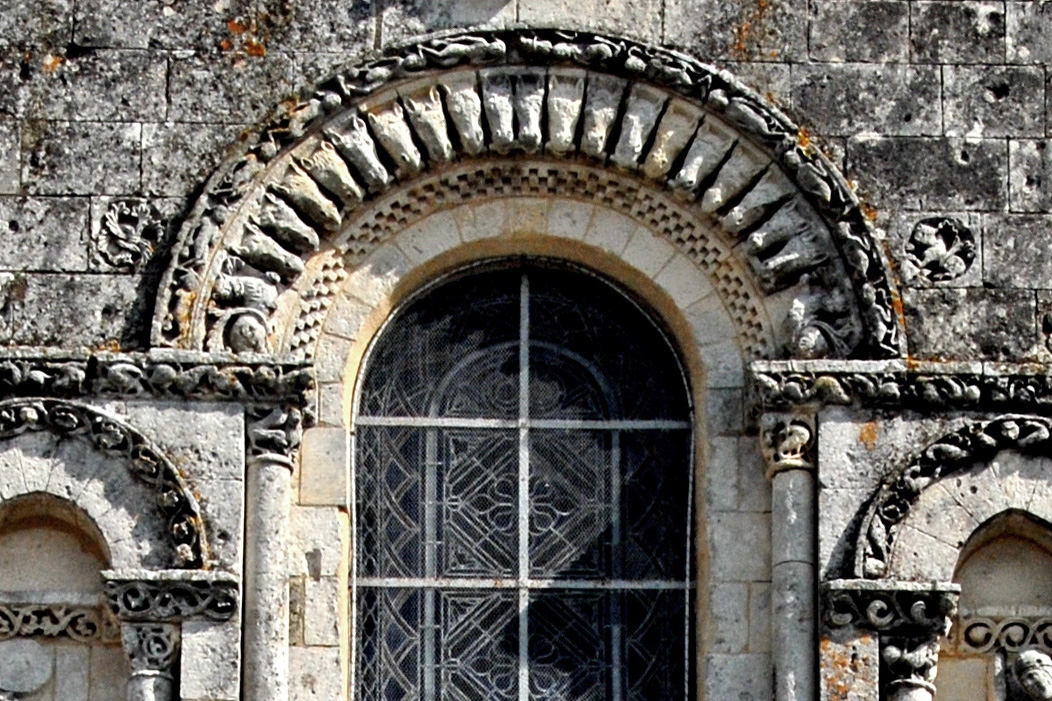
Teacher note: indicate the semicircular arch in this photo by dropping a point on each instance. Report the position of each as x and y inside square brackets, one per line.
[512, 113]
[144, 511]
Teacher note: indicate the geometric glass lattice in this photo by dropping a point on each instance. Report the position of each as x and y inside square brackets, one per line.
[523, 497]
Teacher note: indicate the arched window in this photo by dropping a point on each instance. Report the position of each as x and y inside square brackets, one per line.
[523, 496]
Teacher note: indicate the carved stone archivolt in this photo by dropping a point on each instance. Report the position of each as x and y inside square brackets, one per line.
[976, 442]
[146, 462]
[244, 272]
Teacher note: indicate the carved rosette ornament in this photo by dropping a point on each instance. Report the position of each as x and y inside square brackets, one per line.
[333, 178]
[909, 619]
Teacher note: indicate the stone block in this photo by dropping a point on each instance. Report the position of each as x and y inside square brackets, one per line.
[315, 674]
[10, 156]
[957, 31]
[710, 321]
[162, 24]
[44, 234]
[176, 156]
[640, 19]
[753, 486]
[211, 660]
[207, 440]
[918, 557]
[320, 25]
[376, 276]
[69, 311]
[101, 85]
[992, 101]
[739, 677]
[846, 99]
[849, 667]
[740, 547]
[346, 317]
[222, 507]
[108, 674]
[324, 608]
[330, 404]
[71, 672]
[230, 89]
[930, 173]
[1016, 251]
[767, 31]
[1029, 175]
[721, 474]
[45, 25]
[330, 358]
[970, 323]
[610, 231]
[838, 509]
[769, 80]
[684, 282]
[567, 218]
[1027, 29]
[759, 617]
[81, 158]
[728, 610]
[724, 411]
[872, 31]
[324, 467]
[429, 238]
[792, 507]
[404, 19]
[723, 364]
[937, 249]
[962, 678]
[319, 539]
[647, 252]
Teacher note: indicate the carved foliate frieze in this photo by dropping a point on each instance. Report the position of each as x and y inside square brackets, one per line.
[146, 462]
[556, 95]
[978, 441]
[171, 601]
[134, 375]
[83, 624]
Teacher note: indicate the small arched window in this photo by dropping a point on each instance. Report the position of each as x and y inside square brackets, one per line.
[523, 461]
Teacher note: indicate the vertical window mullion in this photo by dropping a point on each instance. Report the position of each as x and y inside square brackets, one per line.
[524, 489]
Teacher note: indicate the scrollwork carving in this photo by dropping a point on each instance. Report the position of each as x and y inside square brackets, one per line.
[150, 647]
[83, 624]
[171, 601]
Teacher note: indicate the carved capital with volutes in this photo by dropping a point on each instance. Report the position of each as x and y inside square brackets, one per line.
[151, 648]
[273, 435]
[788, 441]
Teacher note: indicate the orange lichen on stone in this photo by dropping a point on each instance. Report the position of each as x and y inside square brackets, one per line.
[867, 433]
[51, 63]
[236, 27]
[750, 30]
[868, 211]
[254, 48]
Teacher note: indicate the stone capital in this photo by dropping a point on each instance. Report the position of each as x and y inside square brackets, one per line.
[788, 441]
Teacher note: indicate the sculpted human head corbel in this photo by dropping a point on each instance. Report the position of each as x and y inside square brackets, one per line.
[1033, 670]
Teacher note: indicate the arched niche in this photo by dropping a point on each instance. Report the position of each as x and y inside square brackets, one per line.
[1005, 608]
[651, 134]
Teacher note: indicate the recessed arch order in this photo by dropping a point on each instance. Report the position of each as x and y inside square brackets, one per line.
[675, 145]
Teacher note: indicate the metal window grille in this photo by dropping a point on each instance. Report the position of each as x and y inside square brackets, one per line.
[523, 498]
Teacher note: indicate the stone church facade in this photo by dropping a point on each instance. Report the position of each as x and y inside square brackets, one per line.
[664, 349]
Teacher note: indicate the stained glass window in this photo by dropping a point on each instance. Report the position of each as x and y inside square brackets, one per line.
[523, 497]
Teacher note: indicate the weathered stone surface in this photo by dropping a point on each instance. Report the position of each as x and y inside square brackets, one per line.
[200, 148]
[319, 538]
[405, 18]
[992, 101]
[314, 673]
[101, 85]
[847, 99]
[729, 561]
[640, 19]
[67, 310]
[1028, 26]
[324, 467]
[81, 158]
[759, 617]
[10, 161]
[930, 173]
[948, 31]
[737, 673]
[44, 234]
[210, 660]
[1016, 251]
[317, 25]
[770, 80]
[872, 31]
[162, 24]
[728, 608]
[46, 24]
[1030, 175]
[971, 323]
[765, 31]
[323, 610]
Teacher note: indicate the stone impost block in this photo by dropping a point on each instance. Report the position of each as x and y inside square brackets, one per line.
[884, 99]
[992, 101]
[324, 467]
[930, 173]
[874, 31]
[955, 31]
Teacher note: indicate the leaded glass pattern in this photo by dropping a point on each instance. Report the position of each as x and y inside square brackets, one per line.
[522, 497]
